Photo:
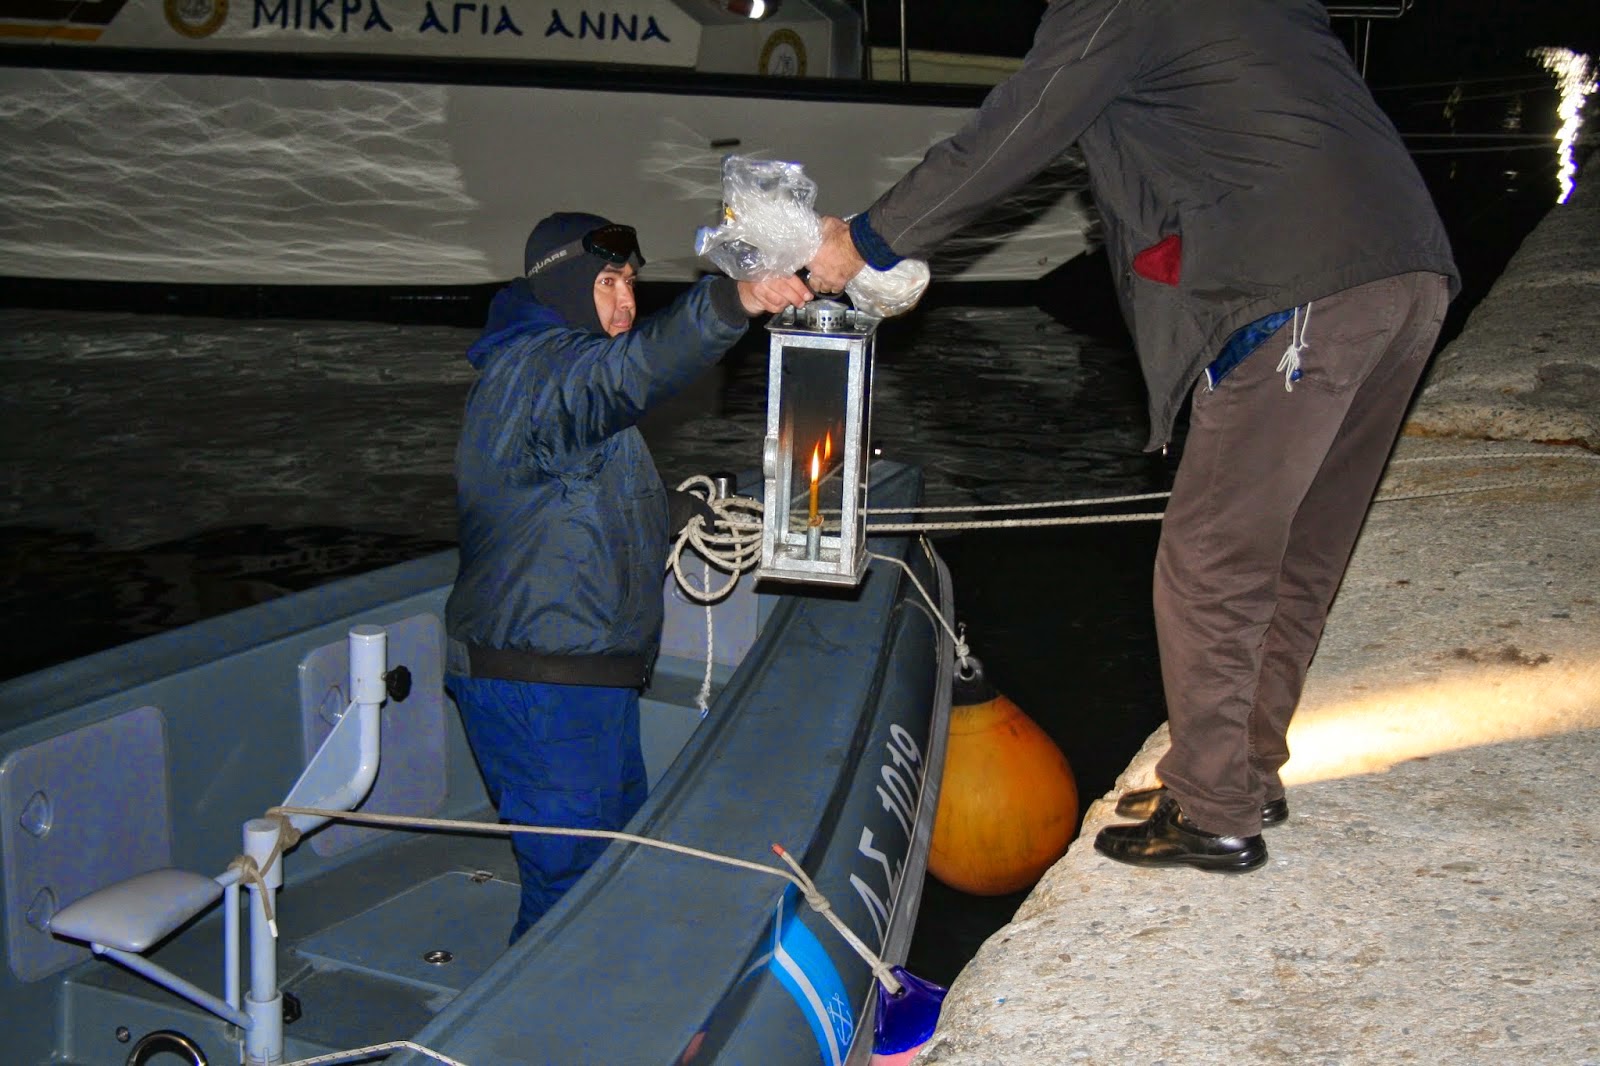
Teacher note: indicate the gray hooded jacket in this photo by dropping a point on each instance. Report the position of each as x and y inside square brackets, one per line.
[1232, 141]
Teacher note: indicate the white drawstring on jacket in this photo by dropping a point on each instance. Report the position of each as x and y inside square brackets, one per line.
[1289, 365]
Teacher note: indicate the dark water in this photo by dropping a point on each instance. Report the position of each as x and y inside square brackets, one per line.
[162, 469]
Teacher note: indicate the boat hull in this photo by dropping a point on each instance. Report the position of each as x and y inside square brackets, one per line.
[825, 733]
[260, 170]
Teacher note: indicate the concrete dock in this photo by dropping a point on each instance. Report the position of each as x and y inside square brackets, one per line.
[1435, 895]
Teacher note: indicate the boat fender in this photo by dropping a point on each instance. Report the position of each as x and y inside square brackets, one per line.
[906, 1019]
[1008, 803]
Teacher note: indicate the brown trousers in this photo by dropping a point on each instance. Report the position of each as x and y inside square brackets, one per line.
[1269, 497]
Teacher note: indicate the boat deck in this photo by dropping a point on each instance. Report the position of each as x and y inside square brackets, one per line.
[355, 968]
[361, 943]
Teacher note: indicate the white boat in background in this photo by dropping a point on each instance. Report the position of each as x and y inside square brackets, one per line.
[414, 142]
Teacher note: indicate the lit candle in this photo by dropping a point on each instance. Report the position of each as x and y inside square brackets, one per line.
[816, 472]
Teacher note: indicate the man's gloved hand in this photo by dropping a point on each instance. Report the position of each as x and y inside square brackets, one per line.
[682, 506]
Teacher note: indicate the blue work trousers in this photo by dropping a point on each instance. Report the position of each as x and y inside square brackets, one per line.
[560, 755]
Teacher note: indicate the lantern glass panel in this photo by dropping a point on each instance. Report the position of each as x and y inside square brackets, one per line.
[819, 400]
[815, 393]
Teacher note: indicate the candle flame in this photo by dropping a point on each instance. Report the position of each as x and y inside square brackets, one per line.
[816, 463]
[827, 446]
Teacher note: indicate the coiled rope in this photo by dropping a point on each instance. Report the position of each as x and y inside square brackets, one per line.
[733, 547]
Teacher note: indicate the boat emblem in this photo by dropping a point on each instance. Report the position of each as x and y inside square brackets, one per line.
[196, 18]
[784, 54]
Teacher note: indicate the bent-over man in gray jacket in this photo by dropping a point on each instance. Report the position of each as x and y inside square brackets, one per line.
[1277, 253]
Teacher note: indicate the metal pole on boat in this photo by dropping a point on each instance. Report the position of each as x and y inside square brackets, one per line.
[345, 766]
[866, 42]
[338, 777]
[230, 944]
[172, 982]
[905, 55]
[264, 1003]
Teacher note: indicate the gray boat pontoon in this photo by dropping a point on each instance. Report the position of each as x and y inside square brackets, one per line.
[138, 767]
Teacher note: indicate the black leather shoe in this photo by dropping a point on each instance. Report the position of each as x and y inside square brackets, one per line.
[1142, 803]
[1167, 838]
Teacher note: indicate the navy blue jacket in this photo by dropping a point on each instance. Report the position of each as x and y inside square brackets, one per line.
[563, 517]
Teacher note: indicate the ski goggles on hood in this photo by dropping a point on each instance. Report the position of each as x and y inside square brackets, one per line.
[616, 244]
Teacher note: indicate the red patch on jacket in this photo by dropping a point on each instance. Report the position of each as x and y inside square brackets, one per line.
[1161, 261]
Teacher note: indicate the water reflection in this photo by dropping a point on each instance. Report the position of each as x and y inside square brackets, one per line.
[1575, 79]
[162, 469]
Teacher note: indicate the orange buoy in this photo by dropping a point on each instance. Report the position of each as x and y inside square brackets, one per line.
[1008, 803]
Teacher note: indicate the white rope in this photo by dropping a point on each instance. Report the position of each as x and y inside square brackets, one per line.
[919, 527]
[1493, 455]
[702, 699]
[740, 548]
[1289, 365]
[1010, 523]
[818, 902]
[732, 552]
[1470, 457]
[976, 508]
[256, 874]
[375, 1049]
[1574, 479]
[958, 639]
[744, 539]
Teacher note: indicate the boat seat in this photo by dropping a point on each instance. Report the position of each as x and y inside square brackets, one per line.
[135, 914]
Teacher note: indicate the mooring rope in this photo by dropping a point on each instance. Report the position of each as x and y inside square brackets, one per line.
[1039, 506]
[815, 898]
[739, 548]
[356, 1053]
[959, 639]
[255, 873]
[1011, 523]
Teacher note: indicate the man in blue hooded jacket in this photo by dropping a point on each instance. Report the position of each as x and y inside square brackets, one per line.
[556, 614]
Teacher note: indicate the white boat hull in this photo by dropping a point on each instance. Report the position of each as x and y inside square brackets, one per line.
[247, 180]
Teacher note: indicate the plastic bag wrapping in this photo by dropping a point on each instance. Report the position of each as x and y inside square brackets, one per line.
[886, 293]
[770, 228]
[769, 222]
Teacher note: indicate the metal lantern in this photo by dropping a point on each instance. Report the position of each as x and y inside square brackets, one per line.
[814, 457]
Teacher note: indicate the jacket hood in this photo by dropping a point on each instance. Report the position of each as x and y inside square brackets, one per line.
[512, 312]
[568, 285]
